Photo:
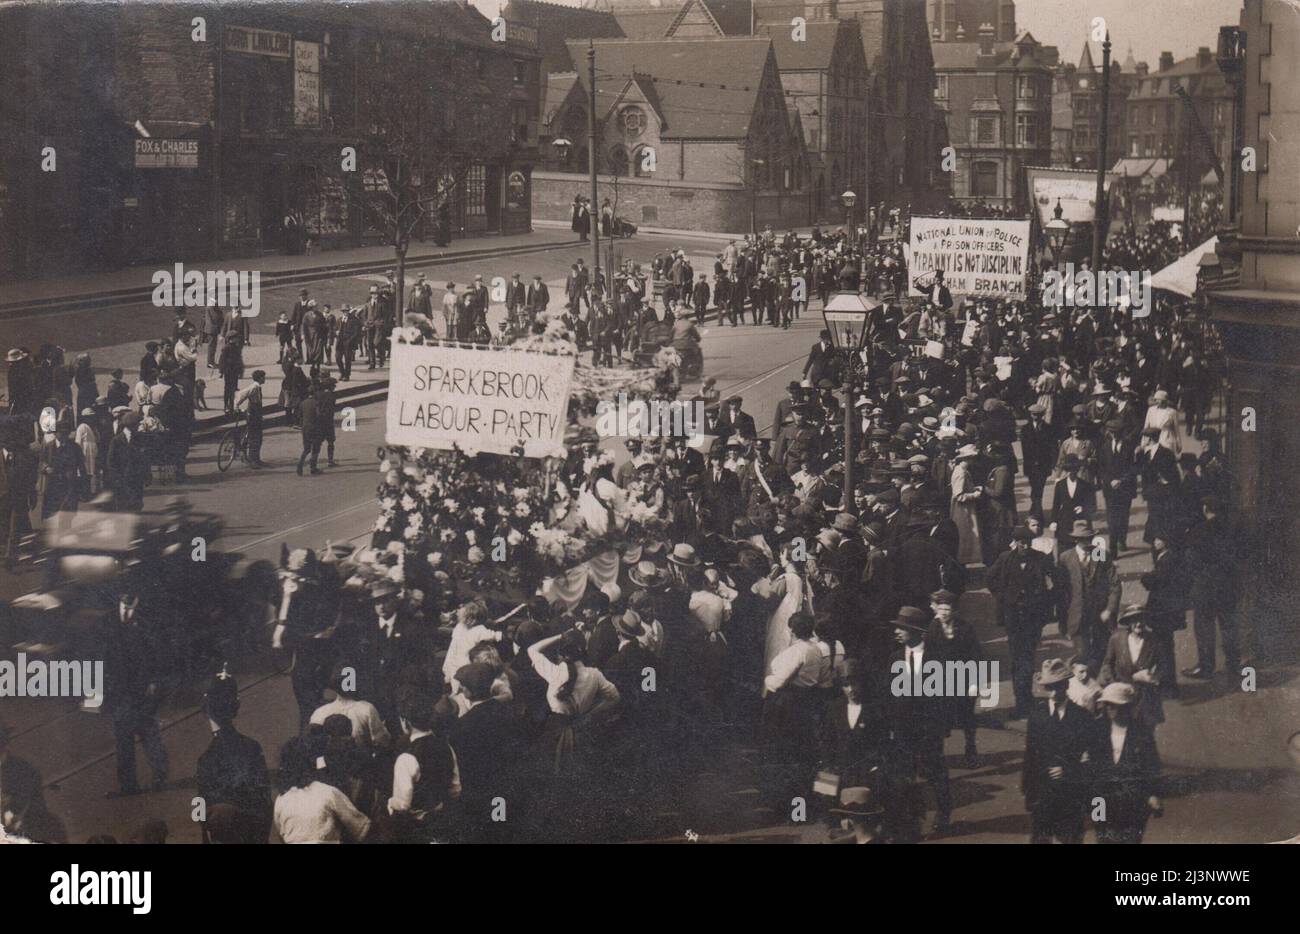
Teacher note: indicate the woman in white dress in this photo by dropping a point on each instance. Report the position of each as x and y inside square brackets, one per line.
[966, 491]
[786, 581]
[599, 499]
[1164, 416]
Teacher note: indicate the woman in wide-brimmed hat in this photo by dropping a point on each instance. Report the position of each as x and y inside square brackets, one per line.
[1127, 774]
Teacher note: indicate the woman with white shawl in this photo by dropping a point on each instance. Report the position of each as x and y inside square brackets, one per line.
[787, 582]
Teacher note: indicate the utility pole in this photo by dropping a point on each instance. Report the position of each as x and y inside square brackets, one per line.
[593, 215]
[1101, 216]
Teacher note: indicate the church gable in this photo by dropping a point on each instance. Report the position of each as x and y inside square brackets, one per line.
[693, 21]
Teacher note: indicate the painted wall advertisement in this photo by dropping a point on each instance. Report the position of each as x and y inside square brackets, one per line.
[306, 84]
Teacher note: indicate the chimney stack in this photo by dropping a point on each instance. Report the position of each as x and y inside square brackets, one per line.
[1166, 61]
[1203, 57]
[987, 34]
[1141, 69]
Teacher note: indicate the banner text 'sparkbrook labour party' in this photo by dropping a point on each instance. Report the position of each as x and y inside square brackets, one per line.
[978, 257]
[482, 401]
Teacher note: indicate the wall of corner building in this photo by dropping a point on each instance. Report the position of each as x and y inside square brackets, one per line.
[715, 207]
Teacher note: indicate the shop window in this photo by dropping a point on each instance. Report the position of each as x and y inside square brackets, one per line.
[476, 191]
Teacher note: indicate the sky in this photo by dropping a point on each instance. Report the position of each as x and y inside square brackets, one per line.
[1149, 26]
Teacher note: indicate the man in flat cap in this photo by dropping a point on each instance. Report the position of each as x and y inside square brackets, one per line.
[734, 421]
[918, 721]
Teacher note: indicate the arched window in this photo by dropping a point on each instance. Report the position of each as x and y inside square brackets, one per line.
[618, 164]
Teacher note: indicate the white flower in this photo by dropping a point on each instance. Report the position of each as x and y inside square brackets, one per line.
[472, 537]
[395, 574]
[392, 478]
[448, 535]
[451, 505]
[515, 537]
[520, 493]
[396, 548]
[408, 503]
[478, 514]
[411, 470]
[522, 510]
[381, 524]
[476, 555]
[385, 465]
[434, 559]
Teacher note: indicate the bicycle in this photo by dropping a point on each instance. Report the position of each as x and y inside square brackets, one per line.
[234, 442]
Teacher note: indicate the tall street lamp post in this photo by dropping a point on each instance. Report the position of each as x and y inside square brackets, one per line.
[846, 315]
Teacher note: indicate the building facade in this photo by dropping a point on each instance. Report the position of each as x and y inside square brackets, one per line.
[691, 133]
[1257, 311]
[1076, 112]
[1159, 121]
[997, 98]
[205, 142]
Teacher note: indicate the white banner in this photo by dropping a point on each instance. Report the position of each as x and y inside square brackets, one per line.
[977, 257]
[1076, 191]
[478, 400]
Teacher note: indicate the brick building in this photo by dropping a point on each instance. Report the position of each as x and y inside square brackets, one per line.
[824, 74]
[1256, 306]
[692, 133]
[906, 133]
[202, 144]
[997, 96]
[1159, 123]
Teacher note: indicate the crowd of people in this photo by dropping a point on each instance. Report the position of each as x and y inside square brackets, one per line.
[754, 598]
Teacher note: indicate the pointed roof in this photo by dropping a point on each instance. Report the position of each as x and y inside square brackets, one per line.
[1085, 60]
[704, 88]
[1130, 65]
[699, 12]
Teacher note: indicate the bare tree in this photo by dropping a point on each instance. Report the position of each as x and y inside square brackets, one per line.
[431, 110]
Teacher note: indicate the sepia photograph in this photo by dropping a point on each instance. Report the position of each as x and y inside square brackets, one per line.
[650, 422]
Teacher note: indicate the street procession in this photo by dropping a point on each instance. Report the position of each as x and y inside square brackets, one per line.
[526, 497]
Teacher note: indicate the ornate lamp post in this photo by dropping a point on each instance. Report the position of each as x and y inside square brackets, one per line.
[850, 199]
[846, 315]
[1057, 229]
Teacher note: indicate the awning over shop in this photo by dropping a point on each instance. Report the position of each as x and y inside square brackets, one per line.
[1141, 168]
[1179, 276]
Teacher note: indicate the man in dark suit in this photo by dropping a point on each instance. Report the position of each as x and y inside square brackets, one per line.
[821, 360]
[539, 296]
[393, 651]
[1072, 497]
[721, 489]
[1134, 657]
[1056, 774]
[1038, 443]
[1117, 473]
[486, 741]
[700, 298]
[296, 317]
[1166, 607]
[516, 300]
[917, 722]
[575, 286]
[314, 431]
[1212, 548]
[62, 466]
[1088, 591]
[1020, 579]
[733, 422]
[134, 662]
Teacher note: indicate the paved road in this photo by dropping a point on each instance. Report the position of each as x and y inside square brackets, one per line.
[1224, 748]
